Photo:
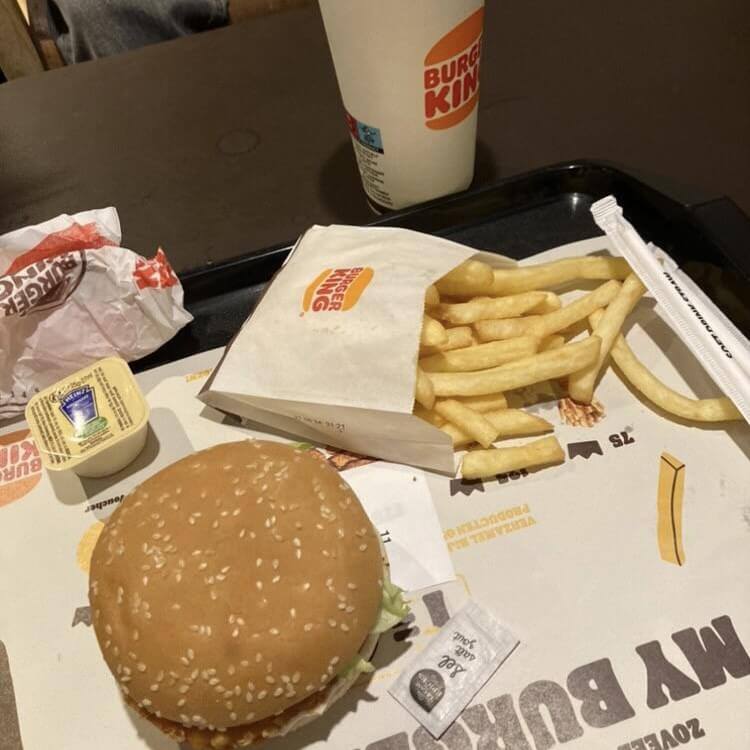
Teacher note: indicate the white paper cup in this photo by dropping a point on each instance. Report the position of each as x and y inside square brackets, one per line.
[408, 73]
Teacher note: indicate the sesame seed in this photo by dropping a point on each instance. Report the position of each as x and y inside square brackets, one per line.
[269, 679]
[259, 585]
[136, 635]
[276, 579]
[191, 653]
[259, 562]
[293, 612]
[273, 631]
[306, 586]
[214, 681]
[185, 661]
[233, 716]
[141, 667]
[249, 697]
[258, 657]
[351, 586]
[262, 694]
[235, 632]
[231, 669]
[154, 687]
[362, 547]
[146, 702]
[242, 533]
[108, 629]
[332, 623]
[308, 627]
[249, 716]
[181, 702]
[279, 691]
[344, 627]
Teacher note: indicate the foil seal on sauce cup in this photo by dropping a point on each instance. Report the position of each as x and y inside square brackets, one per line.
[94, 422]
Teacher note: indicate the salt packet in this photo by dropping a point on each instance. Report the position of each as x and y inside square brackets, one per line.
[441, 681]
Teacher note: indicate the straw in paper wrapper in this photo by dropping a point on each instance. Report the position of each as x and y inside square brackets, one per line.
[709, 334]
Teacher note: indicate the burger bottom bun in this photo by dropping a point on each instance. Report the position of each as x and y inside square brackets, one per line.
[249, 734]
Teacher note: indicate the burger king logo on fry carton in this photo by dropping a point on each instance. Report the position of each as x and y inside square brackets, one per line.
[336, 289]
[451, 74]
[20, 466]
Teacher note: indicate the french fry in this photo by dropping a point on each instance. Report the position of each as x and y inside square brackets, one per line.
[507, 422]
[552, 342]
[546, 275]
[483, 404]
[645, 382]
[481, 464]
[467, 420]
[458, 338]
[424, 393]
[509, 328]
[581, 383]
[520, 372]
[431, 296]
[550, 303]
[480, 357]
[485, 308]
[471, 277]
[546, 325]
[428, 415]
[433, 333]
[669, 509]
[545, 390]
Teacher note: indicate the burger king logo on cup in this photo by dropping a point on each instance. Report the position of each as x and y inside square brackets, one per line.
[20, 466]
[336, 289]
[451, 74]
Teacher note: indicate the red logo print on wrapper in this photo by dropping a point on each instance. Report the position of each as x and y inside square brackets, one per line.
[451, 74]
[336, 289]
[155, 273]
[20, 466]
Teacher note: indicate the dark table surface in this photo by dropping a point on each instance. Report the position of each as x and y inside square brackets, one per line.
[234, 140]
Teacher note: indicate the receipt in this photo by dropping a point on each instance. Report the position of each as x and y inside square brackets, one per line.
[398, 502]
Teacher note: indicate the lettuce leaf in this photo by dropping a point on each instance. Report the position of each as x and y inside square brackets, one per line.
[393, 609]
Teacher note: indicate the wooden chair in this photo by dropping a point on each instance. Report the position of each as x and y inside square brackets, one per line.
[26, 46]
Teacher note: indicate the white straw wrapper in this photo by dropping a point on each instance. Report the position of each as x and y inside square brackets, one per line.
[710, 335]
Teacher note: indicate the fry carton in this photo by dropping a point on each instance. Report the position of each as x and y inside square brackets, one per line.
[330, 352]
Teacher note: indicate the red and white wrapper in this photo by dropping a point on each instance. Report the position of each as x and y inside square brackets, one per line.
[70, 295]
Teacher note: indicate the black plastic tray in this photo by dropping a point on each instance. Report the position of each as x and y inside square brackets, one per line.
[518, 217]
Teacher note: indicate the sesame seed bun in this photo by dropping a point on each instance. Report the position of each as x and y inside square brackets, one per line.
[230, 588]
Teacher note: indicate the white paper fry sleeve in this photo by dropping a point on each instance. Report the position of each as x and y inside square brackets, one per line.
[710, 335]
[330, 352]
[440, 682]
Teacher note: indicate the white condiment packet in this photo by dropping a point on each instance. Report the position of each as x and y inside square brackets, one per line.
[441, 681]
